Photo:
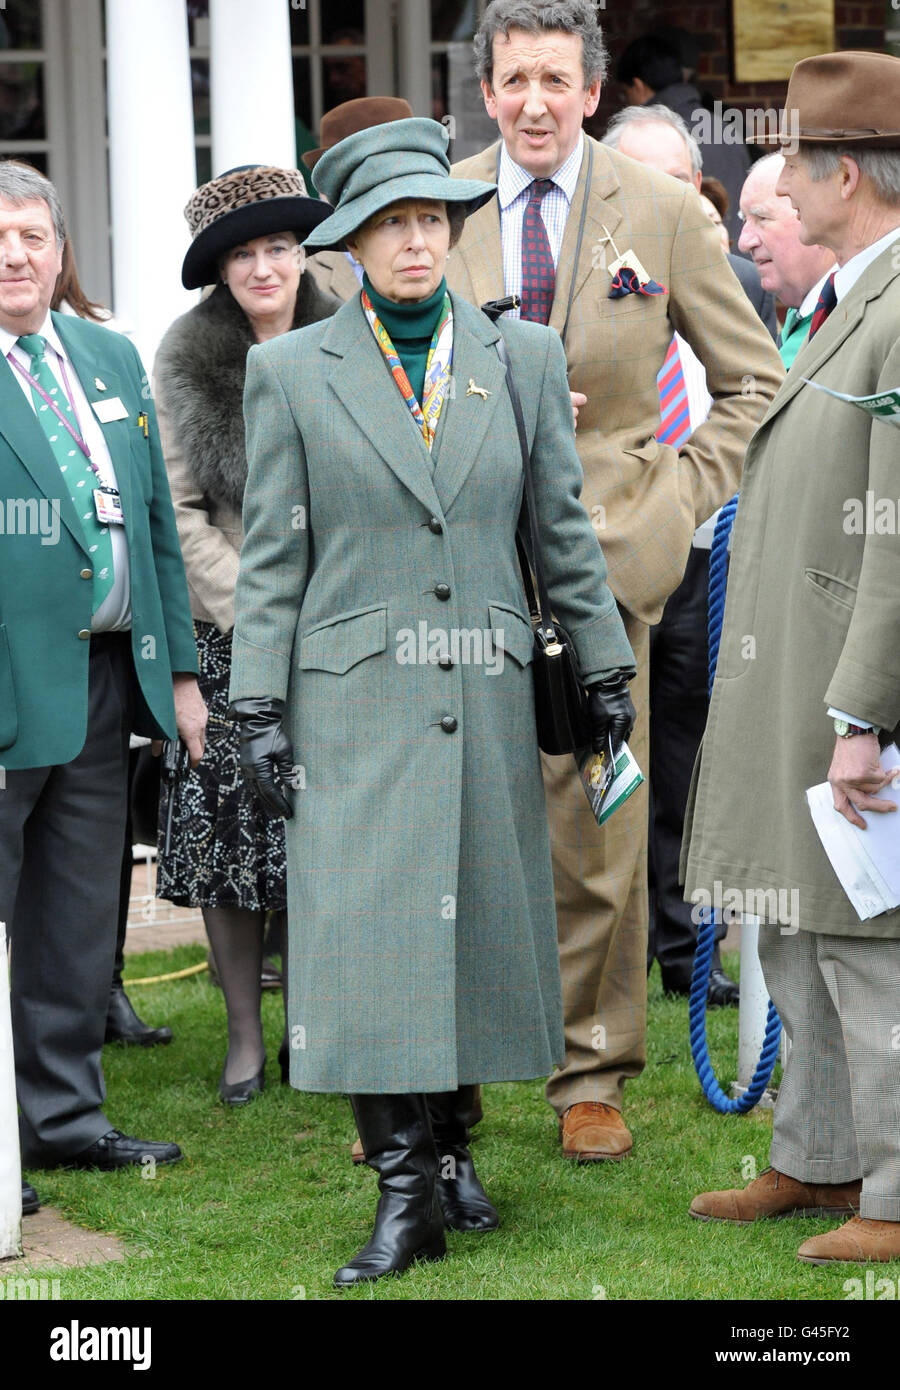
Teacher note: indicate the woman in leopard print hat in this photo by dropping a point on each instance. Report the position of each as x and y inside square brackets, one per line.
[227, 858]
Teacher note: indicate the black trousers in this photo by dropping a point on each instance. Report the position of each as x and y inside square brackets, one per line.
[678, 708]
[61, 835]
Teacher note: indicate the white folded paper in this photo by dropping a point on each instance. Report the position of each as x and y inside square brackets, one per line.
[867, 862]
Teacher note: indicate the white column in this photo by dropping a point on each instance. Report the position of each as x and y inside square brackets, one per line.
[752, 1010]
[151, 161]
[252, 84]
[10, 1169]
[414, 38]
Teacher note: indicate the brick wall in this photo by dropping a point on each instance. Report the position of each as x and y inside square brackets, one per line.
[859, 25]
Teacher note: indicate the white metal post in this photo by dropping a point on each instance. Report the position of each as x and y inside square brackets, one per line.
[752, 1011]
[151, 162]
[10, 1166]
[414, 50]
[252, 84]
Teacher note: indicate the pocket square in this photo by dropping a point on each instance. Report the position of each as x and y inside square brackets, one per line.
[630, 277]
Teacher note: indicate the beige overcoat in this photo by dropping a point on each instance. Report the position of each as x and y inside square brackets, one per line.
[812, 620]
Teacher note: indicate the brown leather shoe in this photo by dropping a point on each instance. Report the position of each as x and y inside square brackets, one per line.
[356, 1152]
[592, 1132]
[858, 1241]
[775, 1194]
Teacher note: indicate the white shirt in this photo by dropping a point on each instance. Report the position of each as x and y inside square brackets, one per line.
[809, 304]
[844, 280]
[114, 613]
[513, 185]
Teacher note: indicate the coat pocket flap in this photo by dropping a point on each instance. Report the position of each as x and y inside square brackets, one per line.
[512, 633]
[345, 640]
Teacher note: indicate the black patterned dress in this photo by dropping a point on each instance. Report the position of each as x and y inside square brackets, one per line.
[225, 851]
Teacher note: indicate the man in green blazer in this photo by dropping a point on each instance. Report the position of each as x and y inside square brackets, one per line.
[808, 678]
[95, 641]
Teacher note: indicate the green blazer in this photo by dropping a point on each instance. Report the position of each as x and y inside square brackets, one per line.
[420, 896]
[44, 600]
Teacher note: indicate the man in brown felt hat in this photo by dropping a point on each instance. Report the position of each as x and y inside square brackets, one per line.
[814, 599]
[336, 271]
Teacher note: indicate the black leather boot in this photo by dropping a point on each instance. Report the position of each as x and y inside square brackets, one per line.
[463, 1200]
[408, 1222]
[124, 1026]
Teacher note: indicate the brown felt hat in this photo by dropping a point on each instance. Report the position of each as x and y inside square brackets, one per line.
[351, 117]
[850, 98]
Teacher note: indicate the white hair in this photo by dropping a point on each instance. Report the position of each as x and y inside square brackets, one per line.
[881, 167]
[645, 115]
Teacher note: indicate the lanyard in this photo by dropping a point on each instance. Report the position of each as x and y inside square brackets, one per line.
[36, 386]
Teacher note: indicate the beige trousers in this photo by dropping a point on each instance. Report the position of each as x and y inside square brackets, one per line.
[600, 877]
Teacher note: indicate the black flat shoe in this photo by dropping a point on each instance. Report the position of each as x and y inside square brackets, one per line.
[242, 1092]
[31, 1202]
[117, 1150]
[123, 1025]
[722, 990]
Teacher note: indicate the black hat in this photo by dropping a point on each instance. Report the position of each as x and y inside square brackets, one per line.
[250, 201]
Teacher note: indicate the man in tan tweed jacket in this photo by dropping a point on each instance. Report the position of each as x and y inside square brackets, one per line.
[644, 498]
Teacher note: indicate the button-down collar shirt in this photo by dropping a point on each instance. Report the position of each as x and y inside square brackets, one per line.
[513, 185]
[114, 613]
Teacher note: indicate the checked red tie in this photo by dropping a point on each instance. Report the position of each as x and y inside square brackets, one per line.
[674, 411]
[826, 302]
[538, 273]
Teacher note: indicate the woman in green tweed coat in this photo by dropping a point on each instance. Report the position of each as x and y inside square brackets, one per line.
[381, 676]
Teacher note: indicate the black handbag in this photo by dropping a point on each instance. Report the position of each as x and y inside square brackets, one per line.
[560, 697]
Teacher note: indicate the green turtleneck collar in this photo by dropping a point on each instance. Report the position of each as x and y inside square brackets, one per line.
[414, 319]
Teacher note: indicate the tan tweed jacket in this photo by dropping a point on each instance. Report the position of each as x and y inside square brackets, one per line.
[644, 499]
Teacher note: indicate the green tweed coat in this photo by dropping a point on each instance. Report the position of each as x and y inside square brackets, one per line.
[379, 595]
[812, 620]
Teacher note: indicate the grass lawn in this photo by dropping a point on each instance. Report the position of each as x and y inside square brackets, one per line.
[266, 1204]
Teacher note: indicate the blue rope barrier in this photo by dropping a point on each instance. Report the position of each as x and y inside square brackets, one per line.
[718, 575]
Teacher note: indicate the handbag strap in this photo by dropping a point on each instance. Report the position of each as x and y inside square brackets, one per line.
[533, 553]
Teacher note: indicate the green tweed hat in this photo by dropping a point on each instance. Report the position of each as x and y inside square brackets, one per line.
[377, 167]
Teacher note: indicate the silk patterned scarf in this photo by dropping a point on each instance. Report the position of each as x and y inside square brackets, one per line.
[437, 368]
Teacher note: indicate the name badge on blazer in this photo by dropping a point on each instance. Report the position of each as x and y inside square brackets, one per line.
[106, 411]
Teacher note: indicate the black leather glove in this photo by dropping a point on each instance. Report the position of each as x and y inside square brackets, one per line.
[610, 711]
[266, 756]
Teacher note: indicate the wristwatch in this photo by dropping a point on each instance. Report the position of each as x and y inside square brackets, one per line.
[845, 730]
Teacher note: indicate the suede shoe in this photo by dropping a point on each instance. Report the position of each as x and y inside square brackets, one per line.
[31, 1202]
[775, 1194]
[117, 1150]
[859, 1241]
[592, 1132]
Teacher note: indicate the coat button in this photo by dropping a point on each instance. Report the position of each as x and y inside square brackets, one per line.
[84, 634]
[442, 591]
[445, 663]
[435, 527]
[449, 724]
[87, 574]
